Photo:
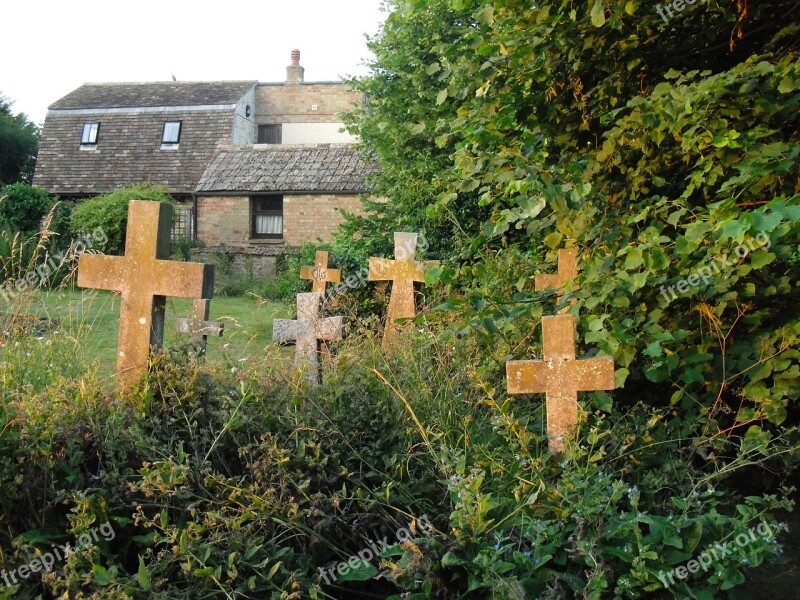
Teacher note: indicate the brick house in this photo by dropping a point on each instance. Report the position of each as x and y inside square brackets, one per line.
[254, 166]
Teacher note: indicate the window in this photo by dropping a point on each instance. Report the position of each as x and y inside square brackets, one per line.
[269, 134]
[183, 223]
[172, 133]
[267, 217]
[89, 135]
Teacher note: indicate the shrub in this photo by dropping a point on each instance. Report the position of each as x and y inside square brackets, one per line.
[22, 207]
[109, 212]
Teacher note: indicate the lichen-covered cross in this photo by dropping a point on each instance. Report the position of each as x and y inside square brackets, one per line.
[403, 272]
[320, 274]
[144, 279]
[567, 271]
[307, 332]
[198, 325]
[560, 376]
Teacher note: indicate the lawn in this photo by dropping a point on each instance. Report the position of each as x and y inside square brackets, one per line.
[92, 317]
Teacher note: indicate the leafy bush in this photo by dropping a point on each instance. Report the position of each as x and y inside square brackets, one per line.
[22, 207]
[110, 213]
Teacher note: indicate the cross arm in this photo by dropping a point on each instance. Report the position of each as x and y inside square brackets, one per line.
[591, 374]
[527, 376]
[380, 269]
[329, 329]
[183, 279]
[101, 272]
[286, 330]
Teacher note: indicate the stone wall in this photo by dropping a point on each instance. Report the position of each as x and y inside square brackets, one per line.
[225, 220]
[303, 103]
[243, 261]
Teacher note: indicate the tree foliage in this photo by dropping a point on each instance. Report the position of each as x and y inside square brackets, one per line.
[109, 212]
[19, 143]
[511, 129]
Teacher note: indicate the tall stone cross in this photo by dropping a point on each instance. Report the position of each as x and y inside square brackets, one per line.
[567, 270]
[403, 272]
[560, 376]
[198, 325]
[307, 332]
[320, 274]
[144, 278]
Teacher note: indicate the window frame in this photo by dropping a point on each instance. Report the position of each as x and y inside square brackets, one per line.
[164, 141]
[89, 127]
[256, 212]
[265, 127]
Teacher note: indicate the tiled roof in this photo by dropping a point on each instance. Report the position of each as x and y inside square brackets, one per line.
[128, 150]
[166, 93]
[322, 168]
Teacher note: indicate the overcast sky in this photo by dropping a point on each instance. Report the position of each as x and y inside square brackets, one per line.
[50, 47]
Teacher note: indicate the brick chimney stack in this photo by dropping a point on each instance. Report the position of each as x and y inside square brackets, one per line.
[294, 72]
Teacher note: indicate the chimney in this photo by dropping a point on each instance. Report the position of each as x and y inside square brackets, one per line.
[294, 72]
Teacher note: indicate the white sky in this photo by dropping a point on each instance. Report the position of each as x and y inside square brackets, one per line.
[50, 47]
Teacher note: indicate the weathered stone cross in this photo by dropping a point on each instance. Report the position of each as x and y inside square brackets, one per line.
[307, 331]
[567, 270]
[144, 278]
[560, 376]
[403, 272]
[198, 325]
[320, 274]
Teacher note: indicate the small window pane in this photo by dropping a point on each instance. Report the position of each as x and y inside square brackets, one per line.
[172, 132]
[269, 134]
[89, 134]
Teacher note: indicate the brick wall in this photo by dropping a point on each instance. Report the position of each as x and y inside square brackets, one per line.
[225, 220]
[308, 217]
[279, 103]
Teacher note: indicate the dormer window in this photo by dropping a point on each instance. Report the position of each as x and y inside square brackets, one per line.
[171, 135]
[89, 136]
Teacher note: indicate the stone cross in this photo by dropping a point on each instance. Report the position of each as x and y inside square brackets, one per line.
[560, 376]
[198, 325]
[320, 274]
[144, 278]
[567, 270]
[307, 331]
[403, 272]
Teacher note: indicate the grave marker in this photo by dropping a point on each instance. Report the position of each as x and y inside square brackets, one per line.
[402, 272]
[320, 274]
[144, 278]
[560, 376]
[307, 332]
[567, 271]
[198, 325]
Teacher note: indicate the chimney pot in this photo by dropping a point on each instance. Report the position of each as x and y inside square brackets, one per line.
[294, 72]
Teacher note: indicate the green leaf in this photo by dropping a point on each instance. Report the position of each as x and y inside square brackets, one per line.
[441, 97]
[363, 572]
[598, 14]
[142, 576]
